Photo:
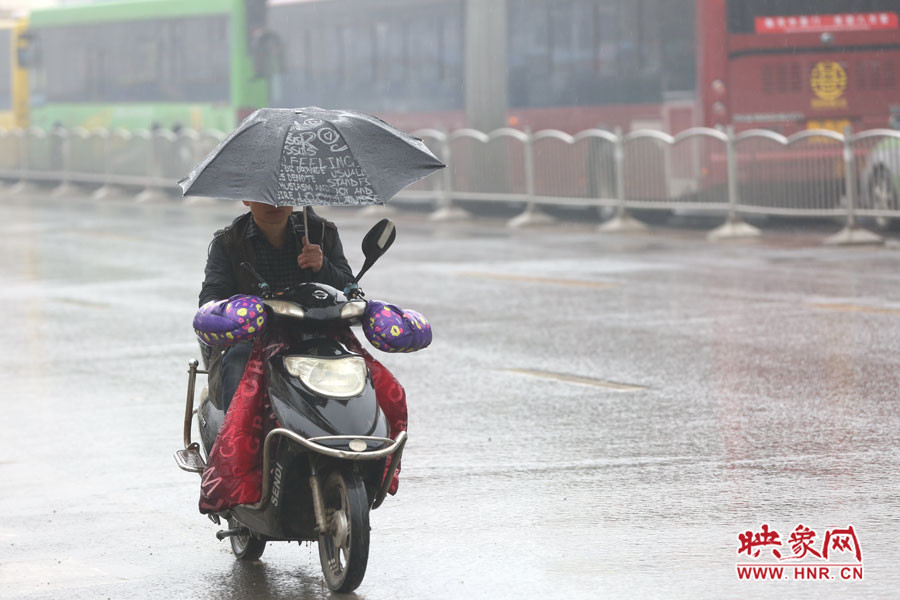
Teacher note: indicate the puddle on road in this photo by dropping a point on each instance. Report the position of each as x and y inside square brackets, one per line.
[577, 379]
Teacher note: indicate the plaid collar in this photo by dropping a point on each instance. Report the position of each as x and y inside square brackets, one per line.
[253, 229]
[295, 227]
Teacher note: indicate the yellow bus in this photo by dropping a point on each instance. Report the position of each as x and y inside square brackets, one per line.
[13, 77]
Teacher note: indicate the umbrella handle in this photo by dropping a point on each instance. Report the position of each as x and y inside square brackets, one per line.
[306, 234]
[305, 224]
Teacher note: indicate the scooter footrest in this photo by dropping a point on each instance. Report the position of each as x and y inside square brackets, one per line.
[190, 459]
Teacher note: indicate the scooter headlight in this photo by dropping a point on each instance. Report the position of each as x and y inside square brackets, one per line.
[343, 377]
[353, 309]
[283, 307]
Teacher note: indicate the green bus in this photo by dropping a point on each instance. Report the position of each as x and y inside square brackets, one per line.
[145, 64]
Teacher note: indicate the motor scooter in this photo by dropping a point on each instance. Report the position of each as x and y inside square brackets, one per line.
[324, 463]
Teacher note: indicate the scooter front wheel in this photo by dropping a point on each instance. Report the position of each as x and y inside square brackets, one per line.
[245, 546]
[344, 547]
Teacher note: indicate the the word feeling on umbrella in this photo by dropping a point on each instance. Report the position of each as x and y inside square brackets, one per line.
[317, 167]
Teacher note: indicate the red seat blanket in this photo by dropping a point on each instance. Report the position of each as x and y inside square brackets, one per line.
[233, 474]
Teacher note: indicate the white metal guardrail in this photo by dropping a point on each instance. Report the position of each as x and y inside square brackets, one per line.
[814, 173]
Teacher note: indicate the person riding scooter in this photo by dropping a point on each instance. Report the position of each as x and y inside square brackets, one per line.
[315, 435]
[273, 241]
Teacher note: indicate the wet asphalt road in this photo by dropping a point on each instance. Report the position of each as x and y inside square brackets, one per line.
[598, 416]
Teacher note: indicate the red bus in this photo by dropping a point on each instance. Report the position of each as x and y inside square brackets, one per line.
[790, 65]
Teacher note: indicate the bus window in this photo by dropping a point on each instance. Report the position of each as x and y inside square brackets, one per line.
[399, 55]
[138, 61]
[27, 52]
[372, 59]
[450, 51]
[571, 39]
[206, 75]
[677, 46]
[598, 51]
[424, 60]
[356, 55]
[5, 69]
[381, 51]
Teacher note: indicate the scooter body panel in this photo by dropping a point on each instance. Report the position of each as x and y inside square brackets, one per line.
[289, 514]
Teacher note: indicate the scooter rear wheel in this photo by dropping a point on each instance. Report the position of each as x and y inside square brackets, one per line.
[344, 547]
[245, 547]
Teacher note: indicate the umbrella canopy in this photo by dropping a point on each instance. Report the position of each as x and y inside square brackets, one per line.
[311, 157]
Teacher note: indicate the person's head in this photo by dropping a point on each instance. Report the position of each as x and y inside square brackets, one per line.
[267, 215]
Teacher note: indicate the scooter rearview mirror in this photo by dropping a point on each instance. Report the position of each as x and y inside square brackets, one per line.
[376, 243]
[379, 239]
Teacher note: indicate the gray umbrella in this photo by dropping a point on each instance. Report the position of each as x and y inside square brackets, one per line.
[311, 156]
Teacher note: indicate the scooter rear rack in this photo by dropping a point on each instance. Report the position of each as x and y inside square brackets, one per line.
[189, 459]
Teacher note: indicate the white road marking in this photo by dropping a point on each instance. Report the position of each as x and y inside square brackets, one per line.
[547, 280]
[858, 308]
[610, 385]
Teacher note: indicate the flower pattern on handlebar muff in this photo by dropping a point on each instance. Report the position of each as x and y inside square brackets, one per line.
[228, 322]
[393, 329]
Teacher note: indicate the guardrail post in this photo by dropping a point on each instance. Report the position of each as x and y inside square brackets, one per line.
[4, 136]
[851, 234]
[19, 134]
[623, 222]
[24, 185]
[20, 161]
[152, 191]
[532, 215]
[106, 190]
[446, 211]
[62, 147]
[734, 226]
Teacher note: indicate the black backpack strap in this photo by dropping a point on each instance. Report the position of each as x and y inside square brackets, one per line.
[216, 236]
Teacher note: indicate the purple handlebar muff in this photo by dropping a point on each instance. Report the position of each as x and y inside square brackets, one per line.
[393, 329]
[227, 322]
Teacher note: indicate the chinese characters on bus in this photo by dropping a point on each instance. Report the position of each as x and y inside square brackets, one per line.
[881, 21]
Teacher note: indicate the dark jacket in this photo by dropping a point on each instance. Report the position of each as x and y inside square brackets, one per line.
[224, 276]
